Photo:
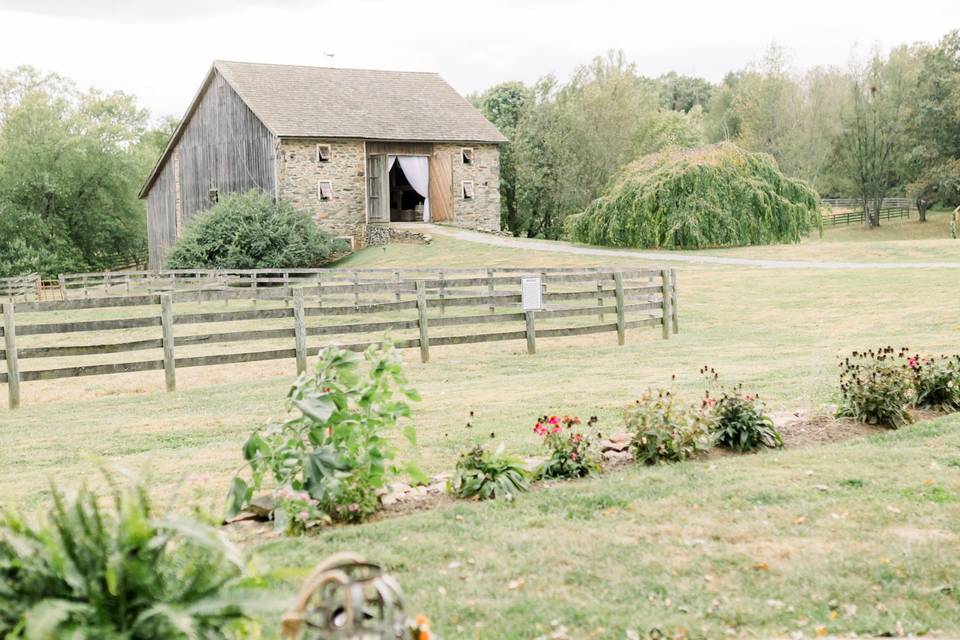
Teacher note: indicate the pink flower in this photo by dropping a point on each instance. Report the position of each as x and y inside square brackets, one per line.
[353, 506]
[573, 455]
[556, 429]
[553, 420]
[304, 516]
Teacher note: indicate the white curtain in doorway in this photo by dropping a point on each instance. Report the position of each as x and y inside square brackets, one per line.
[390, 161]
[417, 170]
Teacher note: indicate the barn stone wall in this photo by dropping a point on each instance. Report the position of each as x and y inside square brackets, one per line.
[481, 212]
[299, 171]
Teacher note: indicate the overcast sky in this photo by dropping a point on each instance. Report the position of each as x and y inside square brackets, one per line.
[160, 51]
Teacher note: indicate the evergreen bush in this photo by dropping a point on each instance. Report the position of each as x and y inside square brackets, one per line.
[251, 231]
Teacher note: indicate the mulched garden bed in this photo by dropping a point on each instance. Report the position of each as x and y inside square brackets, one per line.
[797, 429]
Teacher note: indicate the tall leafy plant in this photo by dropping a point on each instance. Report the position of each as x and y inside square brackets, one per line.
[336, 448]
[95, 572]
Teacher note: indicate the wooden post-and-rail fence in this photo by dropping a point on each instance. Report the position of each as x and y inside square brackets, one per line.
[574, 303]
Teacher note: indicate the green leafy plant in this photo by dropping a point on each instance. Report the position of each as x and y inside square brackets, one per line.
[571, 449]
[936, 382]
[251, 231]
[336, 449]
[93, 572]
[738, 420]
[664, 429]
[876, 387]
[485, 475]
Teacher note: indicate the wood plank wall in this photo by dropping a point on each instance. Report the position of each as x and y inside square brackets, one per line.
[223, 146]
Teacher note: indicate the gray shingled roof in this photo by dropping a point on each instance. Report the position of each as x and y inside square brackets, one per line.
[318, 102]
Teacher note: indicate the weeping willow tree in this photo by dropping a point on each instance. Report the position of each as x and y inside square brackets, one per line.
[714, 196]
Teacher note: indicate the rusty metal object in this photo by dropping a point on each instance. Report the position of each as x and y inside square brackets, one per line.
[347, 598]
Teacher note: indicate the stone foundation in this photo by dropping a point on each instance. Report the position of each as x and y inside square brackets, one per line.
[380, 234]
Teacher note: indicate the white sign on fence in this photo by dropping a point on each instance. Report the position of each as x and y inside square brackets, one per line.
[531, 291]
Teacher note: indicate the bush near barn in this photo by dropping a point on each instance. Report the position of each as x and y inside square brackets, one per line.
[251, 231]
[714, 196]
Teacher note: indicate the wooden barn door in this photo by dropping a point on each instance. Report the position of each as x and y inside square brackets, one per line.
[441, 187]
[378, 189]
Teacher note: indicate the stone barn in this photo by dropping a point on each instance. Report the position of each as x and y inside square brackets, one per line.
[359, 149]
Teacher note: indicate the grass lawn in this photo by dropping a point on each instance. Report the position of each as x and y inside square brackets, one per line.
[748, 544]
[892, 241]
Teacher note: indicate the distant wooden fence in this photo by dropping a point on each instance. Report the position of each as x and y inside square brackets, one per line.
[852, 210]
[125, 283]
[575, 302]
[20, 287]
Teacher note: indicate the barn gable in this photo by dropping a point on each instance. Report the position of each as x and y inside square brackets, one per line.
[220, 146]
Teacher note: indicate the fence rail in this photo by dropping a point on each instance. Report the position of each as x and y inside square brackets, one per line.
[20, 287]
[441, 309]
[126, 283]
[852, 210]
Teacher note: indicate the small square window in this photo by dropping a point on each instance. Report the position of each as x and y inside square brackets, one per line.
[323, 153]
[214, 195]
[466, 155]
[467, 189]
[324, 189]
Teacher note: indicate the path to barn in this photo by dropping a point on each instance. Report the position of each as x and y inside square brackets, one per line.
[662, 256]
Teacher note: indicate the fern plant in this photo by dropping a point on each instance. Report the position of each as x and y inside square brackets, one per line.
[485, 475]
[90, 572]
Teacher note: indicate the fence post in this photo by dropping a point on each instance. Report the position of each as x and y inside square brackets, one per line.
[621, 320]
[531, 332]
[422, 322]
[673, 300]
[443, 292]
[10, 345]
[493, 306]
[665, 305]
[319, 290]
[600, 299]
[166, 322]
[300, 330]
[396, 275]
[356, 289]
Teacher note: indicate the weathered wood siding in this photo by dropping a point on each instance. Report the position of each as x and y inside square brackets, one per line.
[161, 216]
[223, 146]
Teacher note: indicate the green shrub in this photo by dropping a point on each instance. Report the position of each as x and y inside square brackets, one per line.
[876, 387]
[936, 382]
[714, 196]
[91, 572]
[572, 454]
[739, 422]
[485, 475]
[664, 429]
[251, 231]
[336, 450]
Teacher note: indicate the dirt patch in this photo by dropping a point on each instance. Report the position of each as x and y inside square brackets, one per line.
[799, 430]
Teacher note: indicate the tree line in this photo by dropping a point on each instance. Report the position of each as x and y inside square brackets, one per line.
[888, 123]
[72, 160]
[71, 165]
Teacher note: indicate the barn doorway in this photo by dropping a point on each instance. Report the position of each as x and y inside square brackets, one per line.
[409, 188]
